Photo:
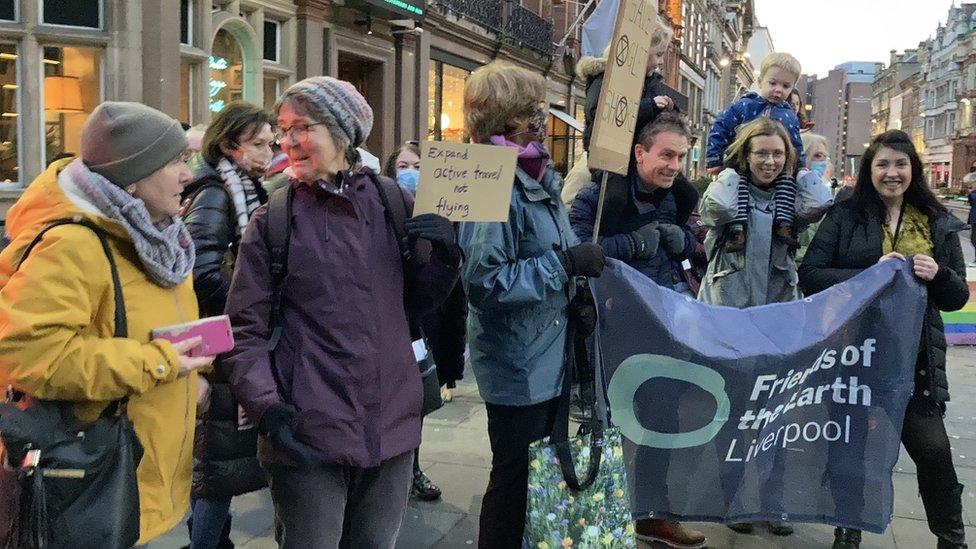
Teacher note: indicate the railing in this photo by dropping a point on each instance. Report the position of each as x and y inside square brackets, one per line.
[524, 27]
[507, 18]
[487, 13]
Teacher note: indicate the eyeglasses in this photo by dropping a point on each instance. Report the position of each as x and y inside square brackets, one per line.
[296, 133]
[768, 155]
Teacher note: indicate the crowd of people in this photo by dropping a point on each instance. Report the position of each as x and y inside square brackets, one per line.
[277, 222]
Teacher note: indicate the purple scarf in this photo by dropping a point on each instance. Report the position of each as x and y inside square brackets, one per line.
[532, 158]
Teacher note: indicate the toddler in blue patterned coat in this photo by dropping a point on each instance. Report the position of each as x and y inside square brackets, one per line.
[777, 78]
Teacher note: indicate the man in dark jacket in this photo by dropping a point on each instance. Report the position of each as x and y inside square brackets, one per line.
[226, 189]
[971, 220]
[644, 232]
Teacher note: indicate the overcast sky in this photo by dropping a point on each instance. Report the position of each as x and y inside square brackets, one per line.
[826, 33]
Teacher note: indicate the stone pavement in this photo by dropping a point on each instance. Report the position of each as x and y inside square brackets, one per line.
[456, 456]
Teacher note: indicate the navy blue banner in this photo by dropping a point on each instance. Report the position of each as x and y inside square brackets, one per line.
[790, 411]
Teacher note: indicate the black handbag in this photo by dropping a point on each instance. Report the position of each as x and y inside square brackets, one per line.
[77, 481]
[428, 375]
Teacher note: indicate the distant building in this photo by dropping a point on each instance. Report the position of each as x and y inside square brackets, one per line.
[842, 112]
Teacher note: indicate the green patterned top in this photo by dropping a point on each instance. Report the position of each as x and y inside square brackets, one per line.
[915, 235]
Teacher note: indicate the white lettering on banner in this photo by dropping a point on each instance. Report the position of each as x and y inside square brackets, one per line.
[784, 435]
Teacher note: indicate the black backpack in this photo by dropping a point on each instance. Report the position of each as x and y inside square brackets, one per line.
[276, 237]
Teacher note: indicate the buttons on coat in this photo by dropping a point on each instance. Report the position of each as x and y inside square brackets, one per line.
[161, 369]
[925, 392]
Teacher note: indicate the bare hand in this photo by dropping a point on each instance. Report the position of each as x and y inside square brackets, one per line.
[925, 267]
[190, 364]
[664, 102]
[203, 392]
[892, 255]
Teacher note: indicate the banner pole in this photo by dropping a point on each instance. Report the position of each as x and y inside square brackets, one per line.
[599, 208]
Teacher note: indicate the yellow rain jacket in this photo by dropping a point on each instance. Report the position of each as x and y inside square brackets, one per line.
[57, 315]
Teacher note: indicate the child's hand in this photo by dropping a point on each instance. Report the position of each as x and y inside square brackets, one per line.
[664, 102]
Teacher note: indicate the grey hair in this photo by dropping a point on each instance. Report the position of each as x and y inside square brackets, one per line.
[321, 115]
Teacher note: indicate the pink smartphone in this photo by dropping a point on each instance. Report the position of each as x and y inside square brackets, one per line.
[215, 331]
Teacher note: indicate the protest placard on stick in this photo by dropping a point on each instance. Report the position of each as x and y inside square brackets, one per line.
[464, 181]
[623, 83]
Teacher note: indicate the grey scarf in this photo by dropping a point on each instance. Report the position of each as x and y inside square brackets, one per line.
[166, 252]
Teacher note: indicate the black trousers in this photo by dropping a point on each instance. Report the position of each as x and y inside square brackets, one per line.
[510, 431]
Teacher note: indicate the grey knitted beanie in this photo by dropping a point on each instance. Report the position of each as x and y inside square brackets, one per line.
[125, 142]
[342, 100]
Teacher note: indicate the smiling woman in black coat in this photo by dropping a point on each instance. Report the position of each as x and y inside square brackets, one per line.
[892, 215]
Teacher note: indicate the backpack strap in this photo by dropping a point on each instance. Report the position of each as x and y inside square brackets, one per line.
[277, 233]
[121, 322]
[395, 210]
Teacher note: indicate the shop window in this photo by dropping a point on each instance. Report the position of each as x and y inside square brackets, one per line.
[73, 13]
[186, 91]
[446, 122]
[186, 22]
[8, 10]
[9, 119]
[226, 71]
[271, 52]
[72, 89]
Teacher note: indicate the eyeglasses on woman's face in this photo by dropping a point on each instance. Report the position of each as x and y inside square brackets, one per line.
[296, 133]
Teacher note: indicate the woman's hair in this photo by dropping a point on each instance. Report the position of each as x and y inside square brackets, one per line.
[498, 94]
[865, 198]
[321, 115]
[239, 121]
[389, 169]
[737, 154]
[801, 115]
[660, 37]
[812, 142]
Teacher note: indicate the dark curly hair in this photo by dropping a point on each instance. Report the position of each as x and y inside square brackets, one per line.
[865, 198]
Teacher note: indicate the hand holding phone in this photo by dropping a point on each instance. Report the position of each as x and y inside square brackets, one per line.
[214, 332]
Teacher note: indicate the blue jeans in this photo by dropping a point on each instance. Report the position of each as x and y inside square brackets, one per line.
[209, 516]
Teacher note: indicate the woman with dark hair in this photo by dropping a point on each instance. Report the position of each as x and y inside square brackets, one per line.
[225, 191]
[444, 326]
[892, 214]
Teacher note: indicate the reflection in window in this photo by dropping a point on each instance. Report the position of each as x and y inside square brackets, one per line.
[272, 88]
[72, 89]
[186, 91]
[226, 71]
[9, 161]
[7, 10]
[271, 40]
[74, 13]
[446, 122]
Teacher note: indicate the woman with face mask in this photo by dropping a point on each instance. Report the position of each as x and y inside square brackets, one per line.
[818, 168]
[519, 278]
[226, 190]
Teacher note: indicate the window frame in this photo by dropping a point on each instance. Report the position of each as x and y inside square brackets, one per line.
[278, 26]
[16, 18]
[101, 18]
[19, 105]
[189, 22]
[39, 102]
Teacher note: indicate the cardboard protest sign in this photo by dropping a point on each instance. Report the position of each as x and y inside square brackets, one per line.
[783, 412]
[464, 181]
[623, 83]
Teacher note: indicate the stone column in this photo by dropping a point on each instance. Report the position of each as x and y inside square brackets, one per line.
[310, 53]
[161, 63]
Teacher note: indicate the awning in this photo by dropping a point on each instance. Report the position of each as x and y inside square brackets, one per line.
[569, 120]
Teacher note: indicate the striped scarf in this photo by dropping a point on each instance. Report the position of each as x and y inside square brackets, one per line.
[242, 190]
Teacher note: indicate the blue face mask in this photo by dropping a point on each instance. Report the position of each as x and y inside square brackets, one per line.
[408, 179]
[819, 167]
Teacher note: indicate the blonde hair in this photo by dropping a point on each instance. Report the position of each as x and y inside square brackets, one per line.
[812, 142]
[498, 94]
[782, 61]
[737, 154]
[660, 38]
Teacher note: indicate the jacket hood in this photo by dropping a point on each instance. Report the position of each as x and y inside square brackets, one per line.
[588, 67]
[51, 197]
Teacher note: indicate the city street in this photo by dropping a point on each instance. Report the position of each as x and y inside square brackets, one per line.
[456, 456]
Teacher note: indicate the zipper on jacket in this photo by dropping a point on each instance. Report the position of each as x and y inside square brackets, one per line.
[186, 410]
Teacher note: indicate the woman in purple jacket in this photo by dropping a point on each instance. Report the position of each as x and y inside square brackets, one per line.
[337, 401]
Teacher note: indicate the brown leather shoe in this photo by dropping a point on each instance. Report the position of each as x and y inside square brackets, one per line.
[670, 533]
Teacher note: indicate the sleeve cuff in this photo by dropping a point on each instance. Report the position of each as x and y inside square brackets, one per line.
[942, 276]
[556, 271]
[161, 361]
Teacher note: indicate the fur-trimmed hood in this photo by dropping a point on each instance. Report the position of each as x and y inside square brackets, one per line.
[588, 67]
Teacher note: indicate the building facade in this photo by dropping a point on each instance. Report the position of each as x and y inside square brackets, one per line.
[410, 59]
[842, 113]
[887, 95]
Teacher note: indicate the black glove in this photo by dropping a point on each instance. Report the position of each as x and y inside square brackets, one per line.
[672, 238]
[433, 227]
[584, 259]
[276, 424]
[645, 240]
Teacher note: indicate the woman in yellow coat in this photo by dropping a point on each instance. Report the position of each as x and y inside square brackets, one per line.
[57, 307]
